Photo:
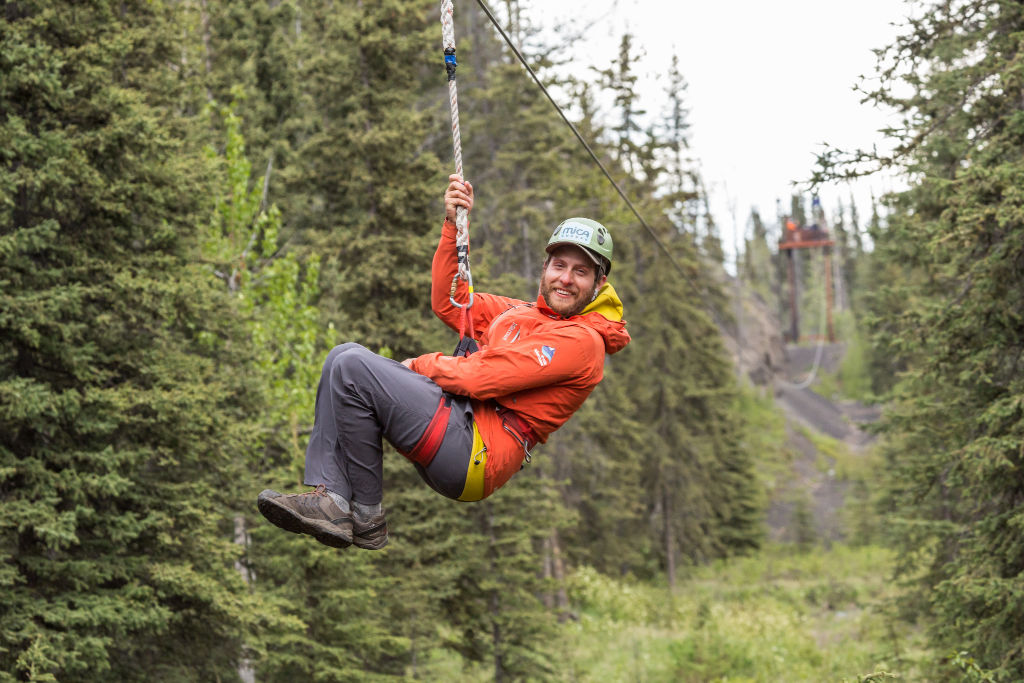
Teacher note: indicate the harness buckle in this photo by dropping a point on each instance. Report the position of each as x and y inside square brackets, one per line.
[519, 429]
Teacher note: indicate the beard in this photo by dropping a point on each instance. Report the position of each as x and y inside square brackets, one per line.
[561, 305]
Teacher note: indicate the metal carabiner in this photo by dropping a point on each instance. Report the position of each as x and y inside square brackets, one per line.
[451, 294]
[528, 458]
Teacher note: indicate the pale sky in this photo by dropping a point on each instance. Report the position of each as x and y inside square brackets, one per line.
[768, 83]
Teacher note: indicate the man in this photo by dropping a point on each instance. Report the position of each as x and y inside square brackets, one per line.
[466, 422]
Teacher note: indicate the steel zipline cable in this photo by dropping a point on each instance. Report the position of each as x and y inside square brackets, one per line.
[586, 146]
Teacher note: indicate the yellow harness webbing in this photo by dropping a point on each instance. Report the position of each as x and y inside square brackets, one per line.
[474, 488]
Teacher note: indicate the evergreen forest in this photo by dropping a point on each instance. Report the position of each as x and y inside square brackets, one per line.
[198, 200]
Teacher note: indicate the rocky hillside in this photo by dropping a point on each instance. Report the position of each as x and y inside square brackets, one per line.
[812, 490]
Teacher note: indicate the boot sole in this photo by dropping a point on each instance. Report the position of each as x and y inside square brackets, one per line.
[285, 518]
[333, 540]
[371, 543]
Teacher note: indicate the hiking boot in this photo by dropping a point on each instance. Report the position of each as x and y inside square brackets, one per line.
[370, 534]
[312, 513]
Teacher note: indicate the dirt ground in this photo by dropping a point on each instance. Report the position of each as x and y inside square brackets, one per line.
[814, 480]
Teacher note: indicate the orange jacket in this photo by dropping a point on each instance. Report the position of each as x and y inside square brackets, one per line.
[531, 360]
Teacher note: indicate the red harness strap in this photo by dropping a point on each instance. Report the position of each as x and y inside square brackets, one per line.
[426, 448]
[518, 425]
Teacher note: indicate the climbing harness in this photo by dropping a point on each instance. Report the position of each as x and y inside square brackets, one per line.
[474, 487]
[518, 428]
[426, 448]
[461, 214]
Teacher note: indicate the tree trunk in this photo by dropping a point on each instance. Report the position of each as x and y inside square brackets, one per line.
[547, 572]
[670, 546]
[494, 600]
[245, 671]
[558, 568]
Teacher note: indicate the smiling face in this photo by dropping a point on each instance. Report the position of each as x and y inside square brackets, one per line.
[569, 281]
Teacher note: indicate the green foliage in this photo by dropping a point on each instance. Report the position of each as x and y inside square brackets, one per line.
[124, 402]
[970, 669]
[274, 290]
[853, 379]
[948, 326]
[758, 267]
[873, 677]
[779, 615]
[167, 297]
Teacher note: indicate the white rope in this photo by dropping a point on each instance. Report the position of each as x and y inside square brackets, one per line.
[814, 368]
[461, 215]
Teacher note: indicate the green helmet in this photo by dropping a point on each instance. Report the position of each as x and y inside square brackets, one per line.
[589, 234]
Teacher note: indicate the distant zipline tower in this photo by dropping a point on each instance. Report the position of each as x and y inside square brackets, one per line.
[807, 237]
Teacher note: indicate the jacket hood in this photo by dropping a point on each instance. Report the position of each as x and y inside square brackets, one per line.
[607, 303]
[604, 314]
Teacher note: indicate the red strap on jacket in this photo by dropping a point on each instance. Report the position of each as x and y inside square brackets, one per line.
[426, 448]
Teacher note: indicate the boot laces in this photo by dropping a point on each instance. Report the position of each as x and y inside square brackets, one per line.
[306, 503]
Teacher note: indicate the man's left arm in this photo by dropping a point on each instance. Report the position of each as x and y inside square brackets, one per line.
[549, 358]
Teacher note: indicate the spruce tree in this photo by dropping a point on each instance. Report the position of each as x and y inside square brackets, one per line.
[701, 492]
[252, 54]
[620, 80]
[124, 399]
[366, 188]
[681, 170]
[949, 313]
[758, 271]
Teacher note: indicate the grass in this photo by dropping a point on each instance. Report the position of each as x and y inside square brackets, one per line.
[785, 614]
[840, 461]
[782, 615]
[765, 437]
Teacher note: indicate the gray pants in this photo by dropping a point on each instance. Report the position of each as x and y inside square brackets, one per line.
[363, 397]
